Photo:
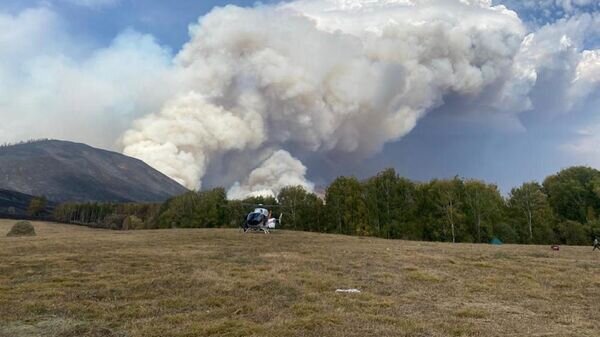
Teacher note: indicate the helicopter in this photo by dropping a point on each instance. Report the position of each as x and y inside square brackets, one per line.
[261, 219]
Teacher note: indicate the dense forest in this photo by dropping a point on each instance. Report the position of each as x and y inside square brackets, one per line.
[565, 209]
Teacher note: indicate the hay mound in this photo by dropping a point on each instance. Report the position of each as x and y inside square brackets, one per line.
[22, 228]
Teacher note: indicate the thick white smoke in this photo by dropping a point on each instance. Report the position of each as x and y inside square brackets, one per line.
[181, 140]
[276, 172]
[321, 74]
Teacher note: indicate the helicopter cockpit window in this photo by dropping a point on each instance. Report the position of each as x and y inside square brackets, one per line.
[262, 211]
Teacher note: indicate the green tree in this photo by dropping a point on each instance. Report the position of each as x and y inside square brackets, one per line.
[573, 193]
[292, 198]
[260, 200]
[484, 207]
[302, 209]
[574, 233]
[236, 213]
[178, 211]
[505, 232]
[391, 205]
[446, 196]
[37, 205]
[313, 214]
[528, 207]
[195, 209]
[211, 208]
[345, 207]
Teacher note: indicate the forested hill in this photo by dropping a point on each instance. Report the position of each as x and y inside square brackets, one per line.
[24, 205]
[65, 171]
[565, 208]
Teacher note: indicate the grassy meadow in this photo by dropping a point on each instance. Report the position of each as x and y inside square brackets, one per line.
[75, 281]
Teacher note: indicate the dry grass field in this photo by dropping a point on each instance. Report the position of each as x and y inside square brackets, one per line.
[75, 281]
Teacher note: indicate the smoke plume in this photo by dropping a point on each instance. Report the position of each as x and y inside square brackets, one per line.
[322, 75]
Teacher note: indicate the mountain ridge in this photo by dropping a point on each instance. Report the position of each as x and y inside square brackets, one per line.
[65, 171]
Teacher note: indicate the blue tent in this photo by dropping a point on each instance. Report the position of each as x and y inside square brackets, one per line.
[496, 241]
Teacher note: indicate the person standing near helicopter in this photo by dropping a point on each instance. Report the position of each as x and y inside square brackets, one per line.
[596, 244]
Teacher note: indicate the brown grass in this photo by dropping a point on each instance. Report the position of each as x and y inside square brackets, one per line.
[75, 281]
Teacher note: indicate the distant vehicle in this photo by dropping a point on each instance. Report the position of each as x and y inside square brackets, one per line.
[260, 219]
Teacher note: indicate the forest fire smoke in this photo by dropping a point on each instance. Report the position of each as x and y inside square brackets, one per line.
[325, 76]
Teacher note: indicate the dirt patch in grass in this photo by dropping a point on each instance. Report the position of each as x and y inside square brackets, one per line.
[75, 281]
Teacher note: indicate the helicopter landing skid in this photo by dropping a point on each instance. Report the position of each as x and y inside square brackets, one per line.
[256, 229]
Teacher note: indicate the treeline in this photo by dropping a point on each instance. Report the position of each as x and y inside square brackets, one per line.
[109, 215]
[565, 209]
[29, 141]
[205, 209]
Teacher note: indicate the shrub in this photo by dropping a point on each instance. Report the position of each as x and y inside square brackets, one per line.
[113, 221]
[22, 228]
[133, 222]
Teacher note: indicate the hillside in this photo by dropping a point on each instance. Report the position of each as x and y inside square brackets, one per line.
[16, 204]
[74, 281]
[65, 171]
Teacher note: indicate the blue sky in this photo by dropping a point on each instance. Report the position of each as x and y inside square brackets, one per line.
[102, 20]
[94, 51]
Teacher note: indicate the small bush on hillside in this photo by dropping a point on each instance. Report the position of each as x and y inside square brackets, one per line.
[22, 228]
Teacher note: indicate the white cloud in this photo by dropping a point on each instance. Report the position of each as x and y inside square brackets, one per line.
[585, 148]
[553, 73]
[93, 3]
[60, 89]
[552, 8]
